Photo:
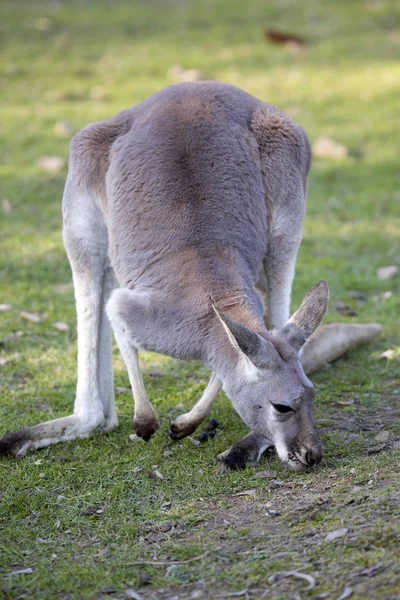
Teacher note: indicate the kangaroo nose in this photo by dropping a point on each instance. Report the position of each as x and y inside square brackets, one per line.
[313, 457]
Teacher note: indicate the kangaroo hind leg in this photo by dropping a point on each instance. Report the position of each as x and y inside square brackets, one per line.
[86, 242]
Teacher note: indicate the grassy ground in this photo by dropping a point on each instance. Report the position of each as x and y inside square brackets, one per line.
[83, 517]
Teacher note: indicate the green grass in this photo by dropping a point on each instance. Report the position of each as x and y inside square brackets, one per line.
[344, 83]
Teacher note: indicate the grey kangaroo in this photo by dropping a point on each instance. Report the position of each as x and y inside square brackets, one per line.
[193, 200]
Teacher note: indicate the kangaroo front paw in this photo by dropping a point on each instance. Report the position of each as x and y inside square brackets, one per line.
[235, 459]
[179, 430]
[145, 428]
[15, 444]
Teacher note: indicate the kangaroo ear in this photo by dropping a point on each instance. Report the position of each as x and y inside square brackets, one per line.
[248, 342]
[308, 317]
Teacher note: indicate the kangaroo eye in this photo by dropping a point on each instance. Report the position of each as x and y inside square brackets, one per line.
[282, 408]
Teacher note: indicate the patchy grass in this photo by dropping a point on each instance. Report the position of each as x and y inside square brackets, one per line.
[81, 515]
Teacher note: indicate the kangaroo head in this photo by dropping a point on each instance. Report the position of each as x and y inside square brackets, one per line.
[268, 387]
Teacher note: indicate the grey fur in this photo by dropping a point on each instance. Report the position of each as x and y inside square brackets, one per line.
[191, 198]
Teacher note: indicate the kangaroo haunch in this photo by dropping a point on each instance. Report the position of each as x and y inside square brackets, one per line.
[194, 201]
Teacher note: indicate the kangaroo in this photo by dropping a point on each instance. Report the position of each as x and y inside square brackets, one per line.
[194, 200]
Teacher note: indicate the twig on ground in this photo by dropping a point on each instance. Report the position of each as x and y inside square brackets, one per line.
[244, 592]
[165, 562]
[283, 574]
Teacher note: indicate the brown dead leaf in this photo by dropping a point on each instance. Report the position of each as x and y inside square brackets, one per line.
[278, 37]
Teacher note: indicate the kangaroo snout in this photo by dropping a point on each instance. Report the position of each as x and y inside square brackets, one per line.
[313, 456]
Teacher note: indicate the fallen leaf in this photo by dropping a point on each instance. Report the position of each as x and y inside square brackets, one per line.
[266, 474]
[347, 592]
[167, 526]
[42, 24]
[333, 535]
[245, 493]
[376, 449]
[344, 310]
[357, 295]
[133, 595]
[272, 513]
[179, 74]
[13, 337]
[97, 93]
[5, 307]
[193, 441]
[7, 206]
[63, 129]
[53, 164]
[343, 403]
[155, 372]
[386, 273]
[88, 512]
[123, 390]
[278, 37]
[60, 326]
[28, 316]
[389, 355]
[159, 474]
[325, 147]
[137, 469]
[244, 592]
[135, 438]
[276, 483]
[383, 436]
[27, 571]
